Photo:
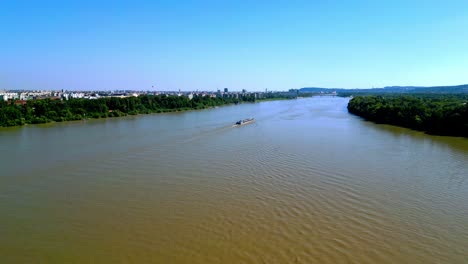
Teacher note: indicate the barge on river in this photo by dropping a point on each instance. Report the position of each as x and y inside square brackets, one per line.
[245, 122]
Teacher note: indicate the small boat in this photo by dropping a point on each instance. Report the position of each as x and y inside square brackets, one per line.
[245, 121]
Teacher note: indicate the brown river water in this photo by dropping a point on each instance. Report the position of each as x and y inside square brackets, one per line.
[306, 183]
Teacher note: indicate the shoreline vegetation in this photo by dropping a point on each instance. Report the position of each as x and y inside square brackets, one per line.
[16, 113]
[435, 114]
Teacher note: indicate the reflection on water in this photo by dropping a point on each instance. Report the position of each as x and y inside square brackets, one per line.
[306, 183]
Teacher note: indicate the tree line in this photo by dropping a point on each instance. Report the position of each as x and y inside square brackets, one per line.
[13, 113]
[431, 113]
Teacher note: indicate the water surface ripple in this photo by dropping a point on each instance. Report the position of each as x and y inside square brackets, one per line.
[306, 183]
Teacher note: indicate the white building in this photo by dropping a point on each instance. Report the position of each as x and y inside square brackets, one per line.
[77, 95]
[8, 96]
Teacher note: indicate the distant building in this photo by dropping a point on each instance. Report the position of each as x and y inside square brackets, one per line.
[20, 102]
[7, 96]
[226, 90]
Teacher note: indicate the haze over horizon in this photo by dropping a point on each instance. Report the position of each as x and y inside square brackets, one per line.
[210, 45]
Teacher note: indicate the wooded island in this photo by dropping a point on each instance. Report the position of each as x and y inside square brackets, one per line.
[432, 113]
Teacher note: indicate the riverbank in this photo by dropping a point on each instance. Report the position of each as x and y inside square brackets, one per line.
[444, 115]
[272, 99]
[50, 111]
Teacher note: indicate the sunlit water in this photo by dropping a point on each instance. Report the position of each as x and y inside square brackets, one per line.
[306, 183]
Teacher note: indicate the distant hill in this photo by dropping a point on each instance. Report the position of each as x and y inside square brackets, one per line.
[457, 89]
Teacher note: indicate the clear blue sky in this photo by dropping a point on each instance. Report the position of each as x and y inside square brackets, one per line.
[254, 45]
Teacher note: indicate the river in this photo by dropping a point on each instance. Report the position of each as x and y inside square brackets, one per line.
[306, 183]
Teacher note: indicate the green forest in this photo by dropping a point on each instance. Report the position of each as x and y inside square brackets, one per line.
[431, 113]
[46, 110]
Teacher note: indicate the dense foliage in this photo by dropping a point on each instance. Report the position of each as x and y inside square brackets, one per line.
[434, 114]
[13, 113]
